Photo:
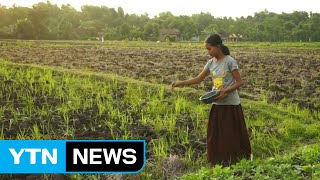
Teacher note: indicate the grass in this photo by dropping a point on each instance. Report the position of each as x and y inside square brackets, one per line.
[300, 164]
[39, 102]
[144, 44]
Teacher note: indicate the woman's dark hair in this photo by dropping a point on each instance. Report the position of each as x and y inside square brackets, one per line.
[215, 40]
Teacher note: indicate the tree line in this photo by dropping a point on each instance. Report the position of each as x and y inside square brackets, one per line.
[49, 21]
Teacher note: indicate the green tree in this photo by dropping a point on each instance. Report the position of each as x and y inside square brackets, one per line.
[124, 30]
[315, 26]
[151, 31]
[202, 21]
[111, 33]
[49, 21]
[211, 29]
[135, 33]
[120, 13]
[24, 29]
[68, 23]
[44, 19]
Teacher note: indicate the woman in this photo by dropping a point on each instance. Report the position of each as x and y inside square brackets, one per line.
[227, 136]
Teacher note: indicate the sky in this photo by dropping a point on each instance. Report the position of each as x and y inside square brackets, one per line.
[218, 8]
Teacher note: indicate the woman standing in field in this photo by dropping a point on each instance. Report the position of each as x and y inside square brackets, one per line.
[227, 136]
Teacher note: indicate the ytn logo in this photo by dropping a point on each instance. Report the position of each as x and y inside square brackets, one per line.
[32, 152]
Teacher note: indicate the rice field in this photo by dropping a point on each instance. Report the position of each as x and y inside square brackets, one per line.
[49, 100]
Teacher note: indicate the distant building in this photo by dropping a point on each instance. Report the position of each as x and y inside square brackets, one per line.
[224, 38]
[195, 38]
[169, 33]
[235, 37]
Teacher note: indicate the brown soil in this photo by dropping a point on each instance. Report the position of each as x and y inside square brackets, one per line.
[278, 73]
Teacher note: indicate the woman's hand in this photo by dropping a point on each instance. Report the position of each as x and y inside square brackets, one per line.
[192, 81]
[223, 94]
[174, 84]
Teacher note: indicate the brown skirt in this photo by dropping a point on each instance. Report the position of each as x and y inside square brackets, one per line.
[227, 136]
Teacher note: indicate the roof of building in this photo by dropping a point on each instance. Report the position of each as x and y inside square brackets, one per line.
[169, 31]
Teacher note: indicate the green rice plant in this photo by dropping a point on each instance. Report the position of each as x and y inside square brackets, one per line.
[160, 148]
[126, 135]
[295, 131]
[92, 126]
[114, 83]
[71, 93]
[316, 115]
[155, 107]
[124, 123]
[130, 120]
[171, 123]
[144, 118]
[108, 103]
[63, 109]
[69, 132]
[76, 103]
[294, 108]
[66, 121]
[75, 176]
[264, 97]
[159, 123]
[48, 82]
[115, 114]
[133, 95]
[146, 176]
[161, 91]
[101, 107]
[30, 76]
[255, 142]
[180, 105]
[22, 134]
[305, 113]
[87, 103]
[36, 134]
[189, 157]
[2, 137]
[110, 125]
[24, 44]
[6, 74]
[183, 135]
[30, 107]
[41, 111]
[200, 117]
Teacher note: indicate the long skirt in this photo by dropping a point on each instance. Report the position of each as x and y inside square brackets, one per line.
[227, 135]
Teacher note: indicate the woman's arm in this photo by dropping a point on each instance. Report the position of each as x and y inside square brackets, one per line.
[192, 81]
[236, 85]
